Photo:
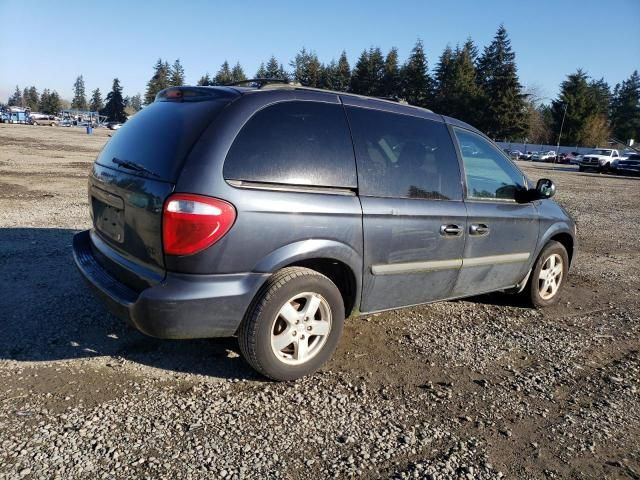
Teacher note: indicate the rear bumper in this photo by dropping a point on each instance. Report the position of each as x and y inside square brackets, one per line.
[181, 306]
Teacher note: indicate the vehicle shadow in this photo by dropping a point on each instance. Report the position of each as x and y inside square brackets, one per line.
[49, 313]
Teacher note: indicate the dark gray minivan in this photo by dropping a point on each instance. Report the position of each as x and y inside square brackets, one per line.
[273, 213]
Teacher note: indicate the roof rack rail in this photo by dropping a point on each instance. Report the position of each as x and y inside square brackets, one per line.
[260, 82]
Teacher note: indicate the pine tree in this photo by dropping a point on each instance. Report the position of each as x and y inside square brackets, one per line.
[114, 108]
[205, 80]
[456, 91]
[307, 69]
[504, 110]
[391, 76]
[44, 101]
[79, 101]
[273, 69]
[224, 75]
[176, 74]
[601, 93]
[16, 99]
[32, 99]
[416, 82]
[55, 104]
[577, 97]
[625, 109]
[262, 72]
[376, 71]
[237, 73]
[360, 75]
[328, 75]
[96, 104]
[135, 102]
[159, 81]
[342, 74]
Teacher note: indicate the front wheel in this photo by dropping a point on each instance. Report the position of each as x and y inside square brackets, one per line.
[293, 325]
[548, 275]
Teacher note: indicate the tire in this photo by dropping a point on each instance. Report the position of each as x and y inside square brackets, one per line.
[538, 295]
[265, 329]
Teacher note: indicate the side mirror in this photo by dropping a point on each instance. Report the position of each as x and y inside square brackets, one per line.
[545, 188]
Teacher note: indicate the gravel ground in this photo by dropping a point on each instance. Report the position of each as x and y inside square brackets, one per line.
[481, 388]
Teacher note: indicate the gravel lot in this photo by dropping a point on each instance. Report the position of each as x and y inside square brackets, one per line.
[483, 388]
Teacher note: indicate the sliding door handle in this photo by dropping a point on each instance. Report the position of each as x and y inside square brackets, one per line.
[451, 230]
[479, 229]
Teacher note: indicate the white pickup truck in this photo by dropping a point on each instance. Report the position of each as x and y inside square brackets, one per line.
[599, 159]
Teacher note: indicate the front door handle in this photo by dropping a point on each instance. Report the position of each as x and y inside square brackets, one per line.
[451, 230]
[479, 229]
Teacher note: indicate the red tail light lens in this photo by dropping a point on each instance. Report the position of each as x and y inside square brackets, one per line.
[191, 223]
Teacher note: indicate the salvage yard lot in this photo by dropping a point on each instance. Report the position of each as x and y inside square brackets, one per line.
[479, 388]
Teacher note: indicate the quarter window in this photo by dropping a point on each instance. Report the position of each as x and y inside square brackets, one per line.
[296, 143]
[404, 156]
[489, 174]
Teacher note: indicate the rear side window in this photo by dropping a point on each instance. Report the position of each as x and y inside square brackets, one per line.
[297, 143]
[160, 136]
[403, 156]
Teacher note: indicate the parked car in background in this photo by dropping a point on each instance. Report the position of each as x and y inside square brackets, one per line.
[535, 156]
[627, 166]
[515, 154]
[273, 214]
[599, 159]
[526, 156]
[567, 157]
[43, 119]
[113, 125]
[549, 156]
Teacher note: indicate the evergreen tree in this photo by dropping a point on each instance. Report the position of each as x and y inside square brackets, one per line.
[577, 96]
[262, 72]
[176, 74]
[416, 82]
[16, 99]
[237, 73]
[601, 93]
[96, 104]
[53, 105]
[359, 77]
[307, 69]
[376, 71]
[205, 80]
[224, 75]
[457, 93]
[342, 74]
[159, 81]
[79, 101]
[504, 110]
[328, 76]
[625, 109]
[32, 99]
[391, 75]
[114, 108]
[274, 69]
[135, 102]
[44, 101]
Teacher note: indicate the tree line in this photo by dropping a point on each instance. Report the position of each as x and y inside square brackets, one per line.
[114, 106]
[481, 88]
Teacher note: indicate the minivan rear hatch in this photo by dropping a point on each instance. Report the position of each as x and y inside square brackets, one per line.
[137, 170]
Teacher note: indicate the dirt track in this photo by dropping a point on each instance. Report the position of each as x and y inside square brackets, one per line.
[471, 389]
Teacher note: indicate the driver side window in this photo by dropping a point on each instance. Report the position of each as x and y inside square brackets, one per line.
[488, 173]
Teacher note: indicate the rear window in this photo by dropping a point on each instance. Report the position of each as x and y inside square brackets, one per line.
[160, 136]
[296, 143]
[402, 156]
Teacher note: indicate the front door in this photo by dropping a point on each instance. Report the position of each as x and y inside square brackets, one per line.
[501, 233]
[414, 219]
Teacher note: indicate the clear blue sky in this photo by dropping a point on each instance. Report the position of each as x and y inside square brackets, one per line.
[48, 43]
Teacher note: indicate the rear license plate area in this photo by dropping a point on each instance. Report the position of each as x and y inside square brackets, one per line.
[108, 220]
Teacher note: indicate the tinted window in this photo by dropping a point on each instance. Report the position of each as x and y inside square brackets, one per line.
[299, 143]
[488, 172]
[159, 136]
[404, 156]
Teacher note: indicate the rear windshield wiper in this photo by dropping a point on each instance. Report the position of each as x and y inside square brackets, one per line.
[134, 166]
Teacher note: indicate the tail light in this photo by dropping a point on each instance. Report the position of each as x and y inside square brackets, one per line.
[191, 223]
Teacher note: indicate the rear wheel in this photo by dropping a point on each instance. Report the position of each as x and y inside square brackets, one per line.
[293, 325]
[548, 275]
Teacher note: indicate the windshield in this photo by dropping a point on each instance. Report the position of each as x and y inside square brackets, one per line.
[600, 151]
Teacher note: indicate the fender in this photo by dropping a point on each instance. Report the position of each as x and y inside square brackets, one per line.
[552, 231]
[309, 249]
[312, 249]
